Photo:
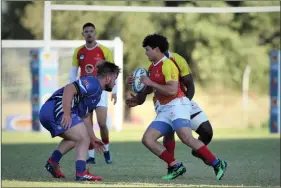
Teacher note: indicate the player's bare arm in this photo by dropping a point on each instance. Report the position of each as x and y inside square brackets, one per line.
[141, 97]
[98, 145]
[168, 89]
[189, 84]
[89, 125]
[68, 94]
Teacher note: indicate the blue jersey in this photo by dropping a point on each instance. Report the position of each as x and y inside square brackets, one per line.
[88, 96]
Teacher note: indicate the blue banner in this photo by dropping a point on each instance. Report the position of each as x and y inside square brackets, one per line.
[274, 123]
[44, 69]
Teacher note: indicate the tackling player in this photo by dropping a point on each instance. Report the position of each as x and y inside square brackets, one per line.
[67, 114]
[87, 57]
[172, 108]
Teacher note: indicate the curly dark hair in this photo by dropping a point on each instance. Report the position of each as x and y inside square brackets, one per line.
[156, 40]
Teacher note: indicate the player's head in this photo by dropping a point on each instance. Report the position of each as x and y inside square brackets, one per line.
[155, 46]
[107, 73]
[89, 32]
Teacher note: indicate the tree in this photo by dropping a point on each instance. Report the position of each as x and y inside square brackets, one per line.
[12, 28]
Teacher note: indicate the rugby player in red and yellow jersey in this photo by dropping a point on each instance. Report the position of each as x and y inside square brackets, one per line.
[87, 57]
[172, 108]
[199, 120]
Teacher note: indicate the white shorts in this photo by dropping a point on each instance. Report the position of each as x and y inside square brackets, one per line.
[196, 121]
[103, 100]
[178, 108]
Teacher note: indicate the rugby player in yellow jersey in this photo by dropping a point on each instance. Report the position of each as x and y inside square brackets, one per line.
[199, 121]
[172, 108]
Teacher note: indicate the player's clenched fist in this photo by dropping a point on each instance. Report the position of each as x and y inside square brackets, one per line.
[66, 121]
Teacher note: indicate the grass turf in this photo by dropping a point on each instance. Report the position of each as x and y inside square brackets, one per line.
[253, 156]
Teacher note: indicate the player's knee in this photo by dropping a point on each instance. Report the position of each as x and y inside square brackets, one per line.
[147, 141]
[85, 139]
[205, 132]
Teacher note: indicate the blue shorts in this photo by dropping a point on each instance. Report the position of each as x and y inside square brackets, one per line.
[165, 128]
[49, 122]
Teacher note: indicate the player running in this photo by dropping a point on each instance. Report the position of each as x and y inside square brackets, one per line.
[199, 121]
[87, 57]
[67, 114]
[172, 108]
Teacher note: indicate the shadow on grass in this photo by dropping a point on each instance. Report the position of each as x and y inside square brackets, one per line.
[253, 162]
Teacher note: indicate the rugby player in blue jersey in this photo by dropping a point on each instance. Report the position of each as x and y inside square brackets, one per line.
[67, 114]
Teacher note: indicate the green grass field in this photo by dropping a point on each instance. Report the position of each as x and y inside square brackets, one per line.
[253, 156]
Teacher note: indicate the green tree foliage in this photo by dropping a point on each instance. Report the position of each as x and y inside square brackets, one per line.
[11, 27]
[217, 47]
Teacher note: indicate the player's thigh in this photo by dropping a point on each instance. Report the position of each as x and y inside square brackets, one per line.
[161, 128]
[181, 121]
[198, 120]
[156, 130]
[101, 113]
[76, 133]
[49, 121]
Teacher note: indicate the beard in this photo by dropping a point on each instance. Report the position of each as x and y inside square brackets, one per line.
[107, 88]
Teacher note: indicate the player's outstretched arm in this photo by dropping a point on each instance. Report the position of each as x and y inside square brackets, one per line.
[189, 84]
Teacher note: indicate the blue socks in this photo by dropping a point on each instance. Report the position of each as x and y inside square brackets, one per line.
[215, 162]
[80, 166]
[56, 156]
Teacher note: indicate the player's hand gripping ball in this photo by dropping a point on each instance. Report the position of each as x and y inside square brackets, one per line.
[137, 86]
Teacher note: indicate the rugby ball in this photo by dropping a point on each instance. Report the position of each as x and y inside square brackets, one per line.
[137, 86]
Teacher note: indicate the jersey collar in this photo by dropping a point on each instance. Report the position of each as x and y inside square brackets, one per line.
[91, 48]
[155, 64]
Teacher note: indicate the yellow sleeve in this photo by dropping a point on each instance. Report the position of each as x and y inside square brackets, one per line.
[170, 71]
[75, 62]
[107, 54]
[183, 66]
